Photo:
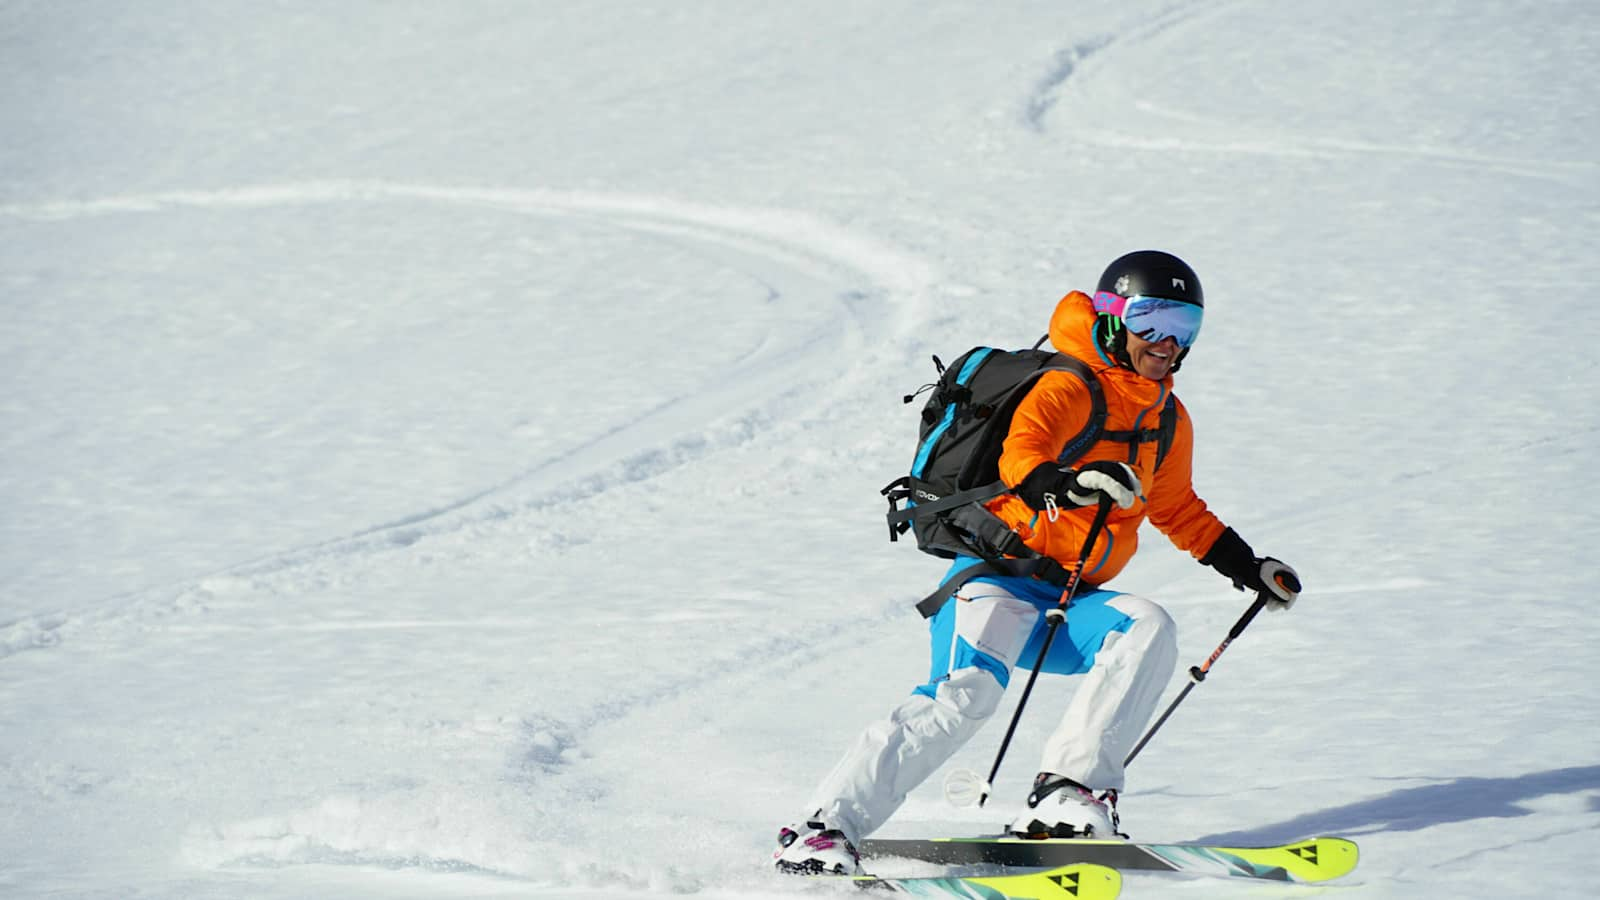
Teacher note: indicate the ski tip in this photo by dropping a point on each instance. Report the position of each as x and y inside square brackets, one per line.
[1333, 857]
[1309, 861]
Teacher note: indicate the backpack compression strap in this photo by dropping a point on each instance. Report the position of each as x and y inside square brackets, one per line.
[1043, 568]
[900, 489]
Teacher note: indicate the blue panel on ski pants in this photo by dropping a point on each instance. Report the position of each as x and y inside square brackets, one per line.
[1072, 651]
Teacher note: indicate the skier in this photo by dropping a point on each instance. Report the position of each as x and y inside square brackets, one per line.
[1134, 333]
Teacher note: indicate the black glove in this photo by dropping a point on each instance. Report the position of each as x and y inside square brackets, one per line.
[1050, 485]
[1231, 556]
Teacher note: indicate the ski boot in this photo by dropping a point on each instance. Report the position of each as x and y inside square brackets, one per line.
[812, 848]
[1062, 808]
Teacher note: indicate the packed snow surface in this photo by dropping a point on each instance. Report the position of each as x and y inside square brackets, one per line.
[440, 442]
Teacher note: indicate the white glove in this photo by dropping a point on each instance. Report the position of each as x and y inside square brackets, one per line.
[1280, 584]
[1113, 479]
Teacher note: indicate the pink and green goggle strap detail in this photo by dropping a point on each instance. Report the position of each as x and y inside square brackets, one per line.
[1153, 318]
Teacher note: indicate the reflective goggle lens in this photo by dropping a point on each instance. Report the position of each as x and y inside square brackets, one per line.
[1153, 318]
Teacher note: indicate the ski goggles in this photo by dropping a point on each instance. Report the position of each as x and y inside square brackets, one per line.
[1153, 318]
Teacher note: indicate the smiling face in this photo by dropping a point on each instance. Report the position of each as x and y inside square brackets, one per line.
[1154, 359]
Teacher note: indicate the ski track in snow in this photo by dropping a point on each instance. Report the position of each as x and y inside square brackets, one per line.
[451, 829]
[1088, 54]
[1278, 145]
[1080, 64]
[1044, 97]
[797, 257]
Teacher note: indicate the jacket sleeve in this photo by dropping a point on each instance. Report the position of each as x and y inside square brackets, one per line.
[1173, 506]
[1052, 412]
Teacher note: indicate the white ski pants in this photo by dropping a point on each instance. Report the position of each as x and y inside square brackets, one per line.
[1125, 646]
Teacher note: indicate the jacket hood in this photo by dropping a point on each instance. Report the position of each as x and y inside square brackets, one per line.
[1072, 332]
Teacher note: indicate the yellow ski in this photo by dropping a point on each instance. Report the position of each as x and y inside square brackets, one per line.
[1080, 881]
[1313, 860]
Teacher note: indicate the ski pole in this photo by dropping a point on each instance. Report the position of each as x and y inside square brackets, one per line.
[1198, 673]
[1055, 617]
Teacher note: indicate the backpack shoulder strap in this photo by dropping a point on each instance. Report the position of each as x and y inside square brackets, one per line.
[1166, 429]
[1080, 443]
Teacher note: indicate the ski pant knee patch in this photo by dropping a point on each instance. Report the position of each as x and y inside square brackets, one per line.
[984, 630]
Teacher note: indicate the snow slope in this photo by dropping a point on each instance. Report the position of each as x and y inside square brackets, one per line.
[439, 444]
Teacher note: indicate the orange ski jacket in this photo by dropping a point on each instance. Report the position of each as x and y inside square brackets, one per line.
[1053, 412]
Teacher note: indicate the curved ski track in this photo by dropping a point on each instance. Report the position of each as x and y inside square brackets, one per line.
[1078, 64]
[871, 287]
[1085, 55]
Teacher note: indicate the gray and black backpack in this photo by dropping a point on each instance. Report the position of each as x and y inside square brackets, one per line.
[956, 467]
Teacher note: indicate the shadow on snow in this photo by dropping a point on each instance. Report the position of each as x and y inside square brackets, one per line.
[1415, 808]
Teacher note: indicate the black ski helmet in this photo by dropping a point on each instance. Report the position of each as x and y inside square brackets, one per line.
[1152, 273]
[1144, 273]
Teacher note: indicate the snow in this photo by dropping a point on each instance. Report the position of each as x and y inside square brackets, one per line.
[439, 444]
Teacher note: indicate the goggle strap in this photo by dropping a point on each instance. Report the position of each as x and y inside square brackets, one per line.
[1109, 304]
